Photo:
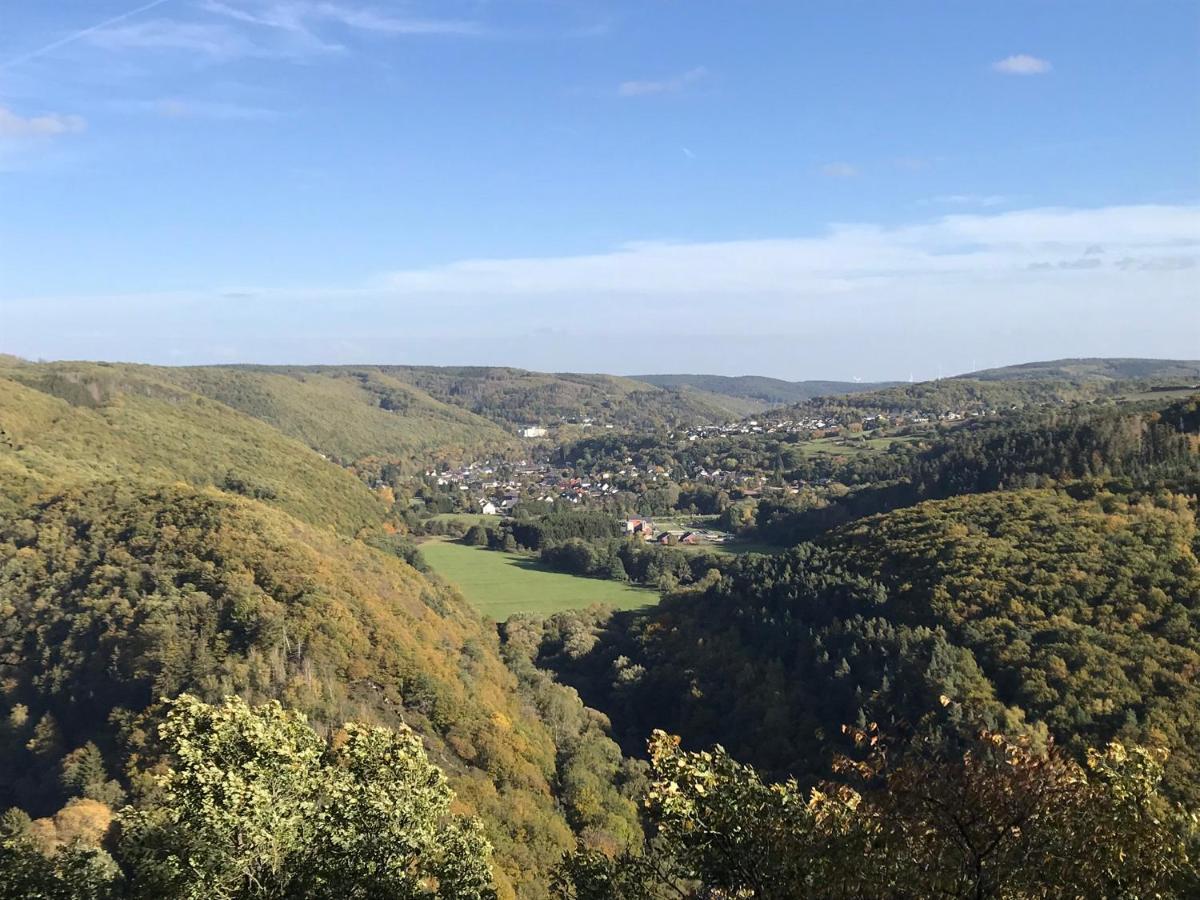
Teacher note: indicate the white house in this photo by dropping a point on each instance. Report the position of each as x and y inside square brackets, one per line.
[488, 508]
[533, 431]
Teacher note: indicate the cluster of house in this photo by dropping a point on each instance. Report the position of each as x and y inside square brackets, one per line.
[833, 423]
[819, 425]
[751, 426]
[830, 424]
[500, 486]
[645, 529]
[541, 431]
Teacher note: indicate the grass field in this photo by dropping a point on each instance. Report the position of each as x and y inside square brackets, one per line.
[501, 584]
[737, 548]
[847, 445]
[467, 519]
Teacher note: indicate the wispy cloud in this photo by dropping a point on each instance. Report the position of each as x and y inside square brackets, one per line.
[839, 170]
[664, 86]
[368, 20]
[1078, 263]
[303, 16]
[278, 15]
[13, 125]
[267, 29]
[904, 296]
[206, 39]
[848, 258]
[1170, 263]
[1022, 64]
[80, 33]
[985, 200]
[181, 108]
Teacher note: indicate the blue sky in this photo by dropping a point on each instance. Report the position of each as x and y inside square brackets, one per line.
[842, 189]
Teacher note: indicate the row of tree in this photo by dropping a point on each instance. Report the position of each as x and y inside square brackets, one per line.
[251, 803]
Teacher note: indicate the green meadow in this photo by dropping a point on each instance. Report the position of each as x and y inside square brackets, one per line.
[501, 584]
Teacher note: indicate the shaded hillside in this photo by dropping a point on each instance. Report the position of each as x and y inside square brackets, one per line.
[766, 391]
[1081, 616]
[1140, 444]
[1084, 613]
[71, 423]
[112, 597]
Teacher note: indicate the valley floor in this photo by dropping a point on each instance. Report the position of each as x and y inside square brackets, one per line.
[501, 584]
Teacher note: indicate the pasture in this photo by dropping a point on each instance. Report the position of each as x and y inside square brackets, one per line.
[500, 584]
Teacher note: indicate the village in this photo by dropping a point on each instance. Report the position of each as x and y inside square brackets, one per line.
[499, 486]
[496, 487]
[833, 424]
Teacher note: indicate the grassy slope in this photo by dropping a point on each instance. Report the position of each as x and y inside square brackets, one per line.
[119, 422]
[502, 584]
[349, 413]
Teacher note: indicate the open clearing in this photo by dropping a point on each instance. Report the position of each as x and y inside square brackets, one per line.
[467, 519]
[501, 584]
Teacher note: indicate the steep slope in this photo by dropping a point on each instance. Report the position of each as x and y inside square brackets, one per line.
[349, 414]
[519, 397]
[1084, 613]
[113, 596]
[70, 423]
[1143, 444]
[1080, 616]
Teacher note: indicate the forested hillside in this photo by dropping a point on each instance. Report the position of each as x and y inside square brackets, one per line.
[113, 597]
[1041, 609]
[986, 604]
[1068, 378]
[1166, 371]
[1034, 384]
[519, 397]
[76, 423]
[1142, 445]
[407, 411]
[1083, 612]
[765, 391]
[353, 413]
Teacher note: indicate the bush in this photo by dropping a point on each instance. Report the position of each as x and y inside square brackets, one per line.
[476, 536]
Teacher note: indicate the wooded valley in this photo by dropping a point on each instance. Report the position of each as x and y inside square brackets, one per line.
[946, 645]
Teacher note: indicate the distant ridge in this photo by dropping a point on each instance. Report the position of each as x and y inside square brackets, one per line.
[1025, 384]
[769, 391]
[1094, 369]
[1090, 371]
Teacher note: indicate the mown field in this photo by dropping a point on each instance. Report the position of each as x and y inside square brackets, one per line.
[501, 584]
[861, 443]
[466, 519]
